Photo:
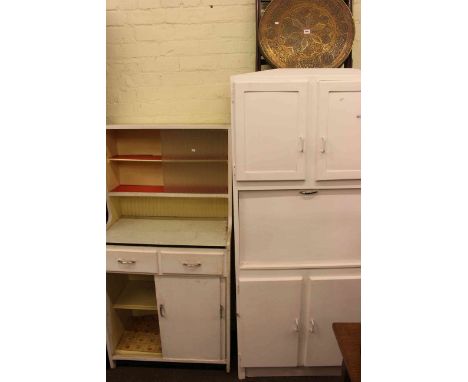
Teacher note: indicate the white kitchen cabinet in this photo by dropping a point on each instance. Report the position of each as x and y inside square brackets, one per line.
[190, 316]
[296, 191]
[331, 299]
[270, 131]
[270, 311]
[339, 130]
[168, 243]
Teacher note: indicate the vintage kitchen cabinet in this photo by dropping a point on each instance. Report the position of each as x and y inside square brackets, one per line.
[168, 243]
[296, 192]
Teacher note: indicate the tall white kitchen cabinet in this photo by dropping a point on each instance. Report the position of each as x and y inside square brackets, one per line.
[168, 237]
[296, 193]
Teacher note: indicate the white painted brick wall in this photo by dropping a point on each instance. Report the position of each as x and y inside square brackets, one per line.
[169, 61]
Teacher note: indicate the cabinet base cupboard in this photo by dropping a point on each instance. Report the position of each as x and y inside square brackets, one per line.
[168, 243]
[296, 192]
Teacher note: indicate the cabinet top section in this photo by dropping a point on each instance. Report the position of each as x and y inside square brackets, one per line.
[169, 127]
[294, 73]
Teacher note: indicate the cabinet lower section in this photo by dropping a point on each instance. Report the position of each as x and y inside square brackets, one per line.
[285, 317]
[180, 317]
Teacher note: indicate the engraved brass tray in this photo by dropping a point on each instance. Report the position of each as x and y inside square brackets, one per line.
[306, 33]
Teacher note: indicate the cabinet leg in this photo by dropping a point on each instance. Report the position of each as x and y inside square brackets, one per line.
[241, 372]
[228, 367]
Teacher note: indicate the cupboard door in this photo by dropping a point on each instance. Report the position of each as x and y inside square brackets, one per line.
[334, 299]
[270, 131]
[339, 130]
[269, 314]
[289, 228]
[189, 317]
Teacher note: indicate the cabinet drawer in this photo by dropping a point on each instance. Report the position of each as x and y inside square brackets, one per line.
[131, 260]
[192, 262]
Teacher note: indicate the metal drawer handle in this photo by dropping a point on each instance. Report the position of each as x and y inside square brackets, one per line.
[192, 265]
[308, 192]
[162, 310]
[120, 261]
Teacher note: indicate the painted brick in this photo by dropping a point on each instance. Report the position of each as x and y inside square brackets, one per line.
[117, 34]
[119, 51]
[229, 13]
[181, 79]
[116, 18]
[146, 17]
[159, 64]
[197, 63]
[161, 32]
[185, 15]
[244, 30]
[243, 60]
[180, 48]
[228, 2]
[149, 4]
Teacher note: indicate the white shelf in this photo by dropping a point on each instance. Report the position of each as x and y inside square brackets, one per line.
[169, 127]
[138, 295]
[199, 232]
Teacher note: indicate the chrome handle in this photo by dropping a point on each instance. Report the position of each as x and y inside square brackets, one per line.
[120, 261]
[301, 144]
[296, 325]
[312, 325]
[308, 192]
[192, 265]
[358, 116]
[162, 310]
[322, 149]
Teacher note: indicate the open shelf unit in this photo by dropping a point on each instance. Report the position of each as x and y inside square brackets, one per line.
[137, 294]
[167, 161]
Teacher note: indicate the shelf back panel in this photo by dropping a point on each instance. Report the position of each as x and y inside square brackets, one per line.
[137, 173]
[194, 144]
[134, 142]
[172, 207]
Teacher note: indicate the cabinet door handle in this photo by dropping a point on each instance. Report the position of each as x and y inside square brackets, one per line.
[120, 261]
[312, 325]
[296, 325]
[308, 192]
[162, 310]
[301, 144]
[192, 265]
[324, 142]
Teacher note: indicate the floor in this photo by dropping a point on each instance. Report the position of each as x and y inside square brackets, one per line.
[159, 372]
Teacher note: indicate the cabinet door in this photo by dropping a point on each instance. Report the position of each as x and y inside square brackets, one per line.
[290, 228]
[339, 130]
[269, 314]
[334, 299]
[189, 317]
[270, 131]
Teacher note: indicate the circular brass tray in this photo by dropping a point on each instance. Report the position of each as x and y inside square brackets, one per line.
[306, 33]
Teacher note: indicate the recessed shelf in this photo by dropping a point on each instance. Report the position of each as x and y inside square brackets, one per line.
[136, 158]
[159, 158]
[160, 190]
[138, 295]
[200, 232]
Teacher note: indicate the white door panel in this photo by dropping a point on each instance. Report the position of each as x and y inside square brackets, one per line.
[189, 316]
[269, 314]
[270, 131]
[339, 130]
[334, 299]
[290, 228]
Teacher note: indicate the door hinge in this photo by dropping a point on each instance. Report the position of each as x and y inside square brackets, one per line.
[221, 311]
